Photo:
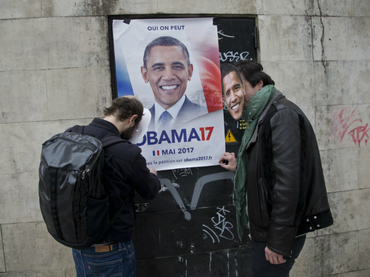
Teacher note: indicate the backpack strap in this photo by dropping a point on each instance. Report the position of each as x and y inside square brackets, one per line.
[108, 141]
[77, 129]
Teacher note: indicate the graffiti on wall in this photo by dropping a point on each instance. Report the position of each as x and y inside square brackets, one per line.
[219, 224]
[203, 181]
[347, 121]
[231, 56]
[221, 227]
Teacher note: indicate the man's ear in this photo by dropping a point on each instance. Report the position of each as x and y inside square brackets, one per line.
[132, 120]
[190, 71]
[260, 84]
[144, 73]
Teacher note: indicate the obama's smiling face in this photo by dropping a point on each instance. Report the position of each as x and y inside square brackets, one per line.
[233, 94]
[167, 71]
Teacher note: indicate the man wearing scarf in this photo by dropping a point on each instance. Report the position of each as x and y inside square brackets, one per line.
[279, 187]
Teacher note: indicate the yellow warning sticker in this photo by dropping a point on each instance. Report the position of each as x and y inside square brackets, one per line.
[230, 137]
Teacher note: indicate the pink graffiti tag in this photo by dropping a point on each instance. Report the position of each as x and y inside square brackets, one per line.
[359, 133]
[342, 123]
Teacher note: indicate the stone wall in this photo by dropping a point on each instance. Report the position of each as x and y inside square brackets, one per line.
[54, 72]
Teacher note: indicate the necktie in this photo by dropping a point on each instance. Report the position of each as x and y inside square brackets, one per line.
[164, 119]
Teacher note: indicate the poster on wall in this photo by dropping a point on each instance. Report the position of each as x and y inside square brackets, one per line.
[237, 43]
[173, 67]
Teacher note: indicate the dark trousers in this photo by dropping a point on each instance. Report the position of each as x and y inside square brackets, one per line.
[263, 268]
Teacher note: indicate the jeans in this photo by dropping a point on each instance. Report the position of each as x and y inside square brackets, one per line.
[263, 268]
[119, 262]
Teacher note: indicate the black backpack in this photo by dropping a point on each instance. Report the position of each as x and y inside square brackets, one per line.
[72, 196]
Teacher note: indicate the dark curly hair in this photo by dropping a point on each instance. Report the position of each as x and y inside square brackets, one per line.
[124, 107]
[252, 71]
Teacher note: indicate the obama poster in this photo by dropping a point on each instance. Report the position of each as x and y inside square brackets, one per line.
[172, 66]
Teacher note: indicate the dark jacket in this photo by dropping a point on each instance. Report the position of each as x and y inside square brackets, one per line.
[286, 191]
[125, 170]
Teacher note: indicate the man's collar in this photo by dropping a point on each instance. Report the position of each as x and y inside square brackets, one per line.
[100, 122]
[173, 111]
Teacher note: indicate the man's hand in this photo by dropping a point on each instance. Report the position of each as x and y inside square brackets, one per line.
[152, 170]
[228, 161]
[273, 257]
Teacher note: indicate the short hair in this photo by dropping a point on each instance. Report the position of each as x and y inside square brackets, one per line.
[124, 107]
[226, 69]
[252, 71]
[165, 41]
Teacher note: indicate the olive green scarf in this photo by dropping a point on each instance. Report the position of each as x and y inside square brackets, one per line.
[251, 116]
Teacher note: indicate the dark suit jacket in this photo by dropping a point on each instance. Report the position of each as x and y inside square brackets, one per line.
[188, 111]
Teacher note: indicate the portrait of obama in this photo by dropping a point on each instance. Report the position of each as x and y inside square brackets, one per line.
[167, 68]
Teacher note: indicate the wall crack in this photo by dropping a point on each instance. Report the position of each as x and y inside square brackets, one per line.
[323, 61]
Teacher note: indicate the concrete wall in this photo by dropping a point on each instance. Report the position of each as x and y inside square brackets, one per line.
[54, 72]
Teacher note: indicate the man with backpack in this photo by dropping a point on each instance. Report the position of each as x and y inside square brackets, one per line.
[279, 187]
[124, 171]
